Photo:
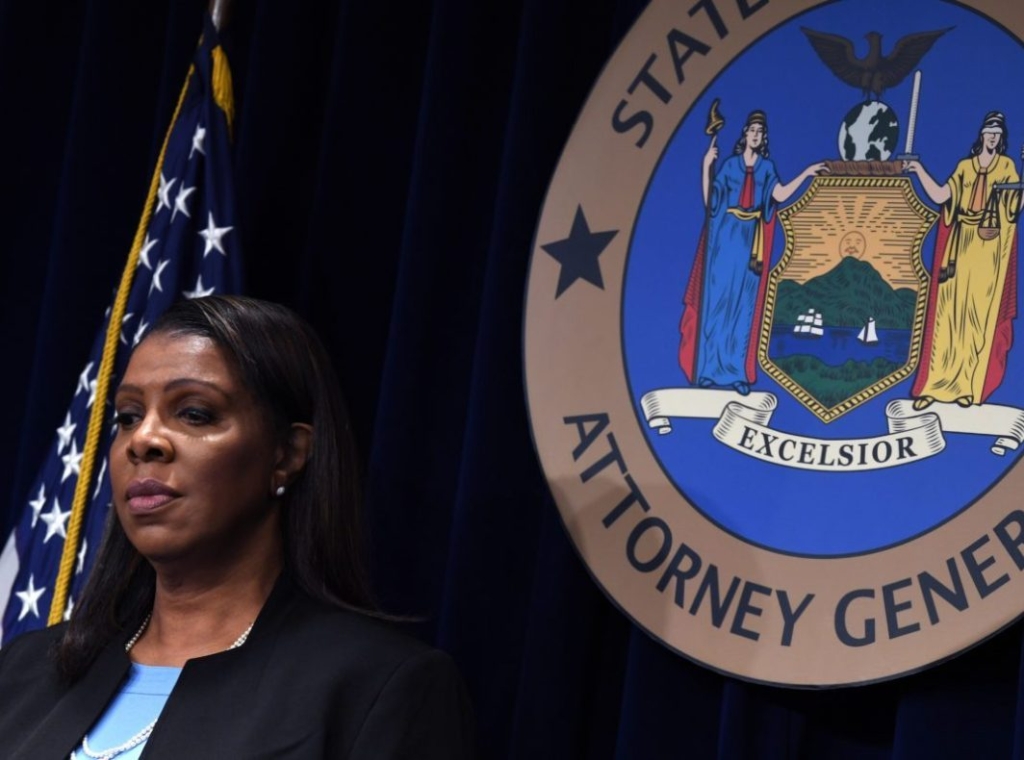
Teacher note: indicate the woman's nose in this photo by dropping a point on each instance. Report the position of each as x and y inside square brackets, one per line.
[149, 440]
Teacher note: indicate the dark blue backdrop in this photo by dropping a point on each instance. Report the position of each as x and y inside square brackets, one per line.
[391, 162]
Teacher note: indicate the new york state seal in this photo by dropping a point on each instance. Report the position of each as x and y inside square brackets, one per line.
[769, 333]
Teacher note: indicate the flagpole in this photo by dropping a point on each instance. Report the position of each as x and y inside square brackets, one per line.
[219, 12]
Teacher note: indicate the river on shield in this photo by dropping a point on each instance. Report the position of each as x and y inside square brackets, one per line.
[839, 344]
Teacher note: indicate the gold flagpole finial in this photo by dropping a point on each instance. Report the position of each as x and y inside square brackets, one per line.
[219, 13]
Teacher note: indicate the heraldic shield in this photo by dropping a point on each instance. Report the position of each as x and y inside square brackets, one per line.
[845, 305]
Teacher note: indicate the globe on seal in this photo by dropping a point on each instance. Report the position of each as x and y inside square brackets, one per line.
[869, 132]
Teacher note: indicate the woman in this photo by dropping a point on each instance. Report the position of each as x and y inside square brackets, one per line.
[724, 299]
[973, 297]
[225, 616]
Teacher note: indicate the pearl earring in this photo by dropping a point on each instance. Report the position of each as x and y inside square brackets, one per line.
[279, 491]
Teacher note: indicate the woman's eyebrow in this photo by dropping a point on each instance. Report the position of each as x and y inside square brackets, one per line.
[172, 384]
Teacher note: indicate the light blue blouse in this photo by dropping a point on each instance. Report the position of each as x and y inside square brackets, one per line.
[136, 706]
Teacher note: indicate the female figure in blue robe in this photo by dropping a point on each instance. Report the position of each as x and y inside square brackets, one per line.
[724, 300]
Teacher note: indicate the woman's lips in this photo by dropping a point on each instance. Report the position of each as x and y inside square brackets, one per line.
[149, 494]
[148, 503]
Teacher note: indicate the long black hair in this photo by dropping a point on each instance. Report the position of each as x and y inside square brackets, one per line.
[280, 360]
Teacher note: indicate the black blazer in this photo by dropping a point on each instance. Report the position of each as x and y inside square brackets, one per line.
[311, 681]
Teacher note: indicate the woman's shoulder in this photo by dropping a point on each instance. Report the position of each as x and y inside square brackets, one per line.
[298, 621]
[316, 623]
[394, 688]
[28, 672]
[32, 646]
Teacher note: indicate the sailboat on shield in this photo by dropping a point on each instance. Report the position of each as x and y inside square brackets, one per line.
[867, 334]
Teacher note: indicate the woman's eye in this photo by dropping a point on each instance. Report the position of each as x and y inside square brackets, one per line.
[196, 416]
[125, 419]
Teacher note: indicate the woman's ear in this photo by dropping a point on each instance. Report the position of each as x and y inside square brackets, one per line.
[292, 455]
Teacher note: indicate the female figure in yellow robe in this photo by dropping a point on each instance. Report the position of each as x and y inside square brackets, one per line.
[973, 296]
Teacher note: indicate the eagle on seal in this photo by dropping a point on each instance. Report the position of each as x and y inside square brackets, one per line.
[874, 73]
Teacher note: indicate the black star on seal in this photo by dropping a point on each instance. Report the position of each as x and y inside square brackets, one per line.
[578, 253]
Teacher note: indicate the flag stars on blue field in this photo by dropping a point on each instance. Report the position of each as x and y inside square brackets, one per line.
[99, 480]
[84, 384]
[143, 326]
[213, 235]
[64, 433]
[197, 141]
[147, 246]
[37, 504]
[180, 201]
[72, 461]
[69, 609]
[124, 321]
[200, 291]
[81, 556]
[30, 598]
[160, 267]
[55, 521]
[164, 193]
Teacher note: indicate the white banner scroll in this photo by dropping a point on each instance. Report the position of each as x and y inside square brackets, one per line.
[660, 406]
[1004, 423]
[743, 424]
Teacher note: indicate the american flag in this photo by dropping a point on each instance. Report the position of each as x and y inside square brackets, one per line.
[189, 247]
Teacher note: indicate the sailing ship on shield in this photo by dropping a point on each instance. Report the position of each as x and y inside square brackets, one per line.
[809, 325]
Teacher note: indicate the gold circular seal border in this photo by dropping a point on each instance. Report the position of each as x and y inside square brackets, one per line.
[573, 365]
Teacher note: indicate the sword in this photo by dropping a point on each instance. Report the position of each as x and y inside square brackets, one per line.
[908, 152]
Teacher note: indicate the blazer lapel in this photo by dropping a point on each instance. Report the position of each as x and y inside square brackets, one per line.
[214, 693]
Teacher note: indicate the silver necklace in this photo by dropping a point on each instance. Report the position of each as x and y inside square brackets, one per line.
[145, 624]
[143, 735]
[138, 634]
[109, 754]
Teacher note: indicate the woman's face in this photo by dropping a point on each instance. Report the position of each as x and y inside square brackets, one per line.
[193, 460]
[755, 136]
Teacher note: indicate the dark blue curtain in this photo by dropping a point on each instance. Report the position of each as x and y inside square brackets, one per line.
[391, 161]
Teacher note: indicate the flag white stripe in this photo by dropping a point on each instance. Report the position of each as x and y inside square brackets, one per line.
[8, 572]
